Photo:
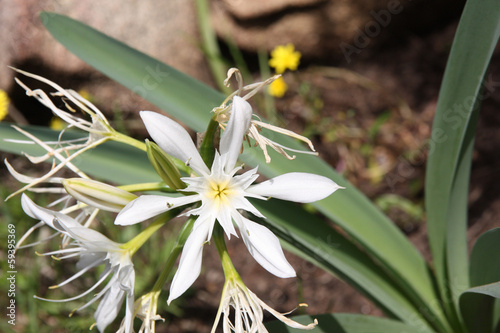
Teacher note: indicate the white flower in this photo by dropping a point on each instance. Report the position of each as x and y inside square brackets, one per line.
[223, 112]
[63, 151]
[93, 249]
[145, 309]
[248, 311]
[222, 193]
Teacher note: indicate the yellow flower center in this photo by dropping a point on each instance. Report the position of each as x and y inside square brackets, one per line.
[219, 192]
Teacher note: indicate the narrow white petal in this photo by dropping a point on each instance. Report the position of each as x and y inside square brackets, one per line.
[265, 247]
[173, 139]
[237, 126]
[190, 263]
[92, 239]
[49, 217]
[109, 307]
[225, 220]
[147, 206]
[296, 186]
[243, 203]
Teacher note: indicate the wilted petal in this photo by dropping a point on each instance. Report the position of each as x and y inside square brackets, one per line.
[147, 206]
[173, 139]
[237, 126]
[190, 263]
[296, 186]
[265, 247]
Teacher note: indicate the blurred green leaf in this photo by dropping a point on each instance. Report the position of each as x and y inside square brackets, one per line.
[476, 304]
[451, 144]
[344, 323]
[388, 201]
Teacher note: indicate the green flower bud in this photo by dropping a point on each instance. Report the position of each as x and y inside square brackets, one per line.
[164, 166]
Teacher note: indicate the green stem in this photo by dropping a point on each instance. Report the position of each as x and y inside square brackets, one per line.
[120, 137]
[210, 45]
[227, 265]
[265, 72]
[155, 186]
[135, 243]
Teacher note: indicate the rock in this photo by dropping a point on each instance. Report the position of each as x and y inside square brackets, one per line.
[325, 28]
[166, 30]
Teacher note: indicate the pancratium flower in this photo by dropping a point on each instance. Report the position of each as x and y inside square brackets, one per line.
[248, 310]
[222, 193]
[63, 151]
[93, 249]
[223, 113]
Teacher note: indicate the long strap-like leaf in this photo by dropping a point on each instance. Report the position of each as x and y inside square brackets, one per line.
[453, 130]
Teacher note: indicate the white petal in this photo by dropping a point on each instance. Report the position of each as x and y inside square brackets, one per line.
[49, 217]
[173, 139]
[92, 239]
[225, 220]
[296, 186]
[109, 307]
[265, 247]
[190, 263]
[147, 206]
[241, 202]
[237, 126]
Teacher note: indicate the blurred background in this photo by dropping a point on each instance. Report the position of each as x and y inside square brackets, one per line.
[365, 93]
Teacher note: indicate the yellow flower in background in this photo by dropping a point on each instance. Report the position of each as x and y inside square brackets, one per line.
[4, 104]
[278, 88]
[57, 124]
[284, 57]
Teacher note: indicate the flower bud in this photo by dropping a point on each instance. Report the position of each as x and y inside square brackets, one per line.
[97, 194]
[164, 166]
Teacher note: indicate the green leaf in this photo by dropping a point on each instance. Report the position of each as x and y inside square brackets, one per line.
[191, 101]
[314, 240]
[344, 323]
[476, 304]
[452, 140]
[484, 267]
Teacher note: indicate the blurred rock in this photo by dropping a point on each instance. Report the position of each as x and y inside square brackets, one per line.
[327, 28]
[166, 30]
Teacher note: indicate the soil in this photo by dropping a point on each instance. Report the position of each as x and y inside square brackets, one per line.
[378, 124]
